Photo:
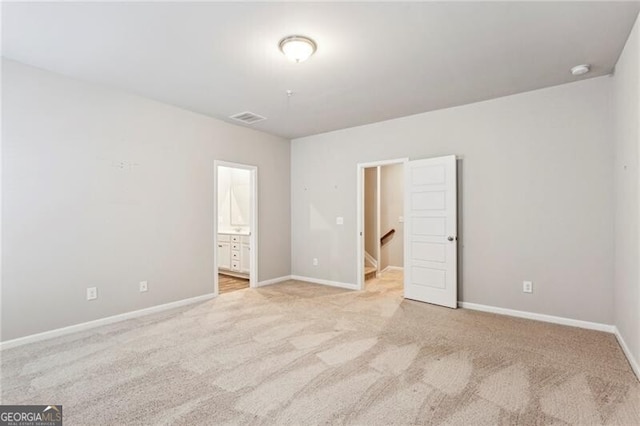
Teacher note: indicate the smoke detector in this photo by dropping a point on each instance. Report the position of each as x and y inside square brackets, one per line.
[581, 69]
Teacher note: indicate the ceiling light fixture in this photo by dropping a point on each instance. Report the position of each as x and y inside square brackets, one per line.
[581, 69]
[297, 48]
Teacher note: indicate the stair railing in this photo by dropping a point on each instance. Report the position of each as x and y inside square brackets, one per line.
[385, 238]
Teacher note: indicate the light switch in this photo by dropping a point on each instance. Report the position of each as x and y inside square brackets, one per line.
[401, 219]
[339, 220]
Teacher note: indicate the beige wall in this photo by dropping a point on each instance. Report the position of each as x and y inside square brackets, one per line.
[626, 107]
[371, 211]
[391, 208]
[535, 196]
[105, 189]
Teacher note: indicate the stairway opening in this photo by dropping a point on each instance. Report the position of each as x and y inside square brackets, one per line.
[383, 207]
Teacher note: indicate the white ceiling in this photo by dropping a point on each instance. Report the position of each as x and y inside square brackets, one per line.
[375, 61]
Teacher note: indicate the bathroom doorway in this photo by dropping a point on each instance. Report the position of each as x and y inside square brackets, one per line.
[235, 227]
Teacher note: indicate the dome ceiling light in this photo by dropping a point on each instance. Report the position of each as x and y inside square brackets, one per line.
[297, 48]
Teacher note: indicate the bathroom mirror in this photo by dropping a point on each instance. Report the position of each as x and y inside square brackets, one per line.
[240, 197]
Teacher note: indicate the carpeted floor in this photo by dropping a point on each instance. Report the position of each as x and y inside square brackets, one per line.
[296, 353]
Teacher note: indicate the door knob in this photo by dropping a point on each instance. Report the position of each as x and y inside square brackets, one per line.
[450, 238]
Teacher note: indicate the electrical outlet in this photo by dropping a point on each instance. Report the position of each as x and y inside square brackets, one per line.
[144, 286]
[527, 287]
[92, 293]
[315, 261]
[339, 220]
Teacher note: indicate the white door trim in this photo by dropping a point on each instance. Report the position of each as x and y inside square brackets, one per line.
[377, 235]
[360, 214]
[253, 237]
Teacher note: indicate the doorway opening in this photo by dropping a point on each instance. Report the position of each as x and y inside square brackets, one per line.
[235, 227]
[429, 227]
[381, 221]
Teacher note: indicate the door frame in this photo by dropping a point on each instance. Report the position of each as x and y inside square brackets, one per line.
[360, 213]
[253, 222]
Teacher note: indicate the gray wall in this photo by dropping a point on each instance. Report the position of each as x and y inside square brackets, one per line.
[536, 178]
[101, 188]
[391, 208]
[626, 101]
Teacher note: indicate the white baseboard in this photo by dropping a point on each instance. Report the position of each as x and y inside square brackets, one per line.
[627, 352]
[539, 317]
[393, 268]
[349, 286]
[562, 321]
[274, 281]
[100, 322]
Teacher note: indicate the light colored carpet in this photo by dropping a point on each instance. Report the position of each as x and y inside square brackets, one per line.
[297, 353]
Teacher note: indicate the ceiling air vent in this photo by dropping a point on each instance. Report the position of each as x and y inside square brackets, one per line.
[248, 117]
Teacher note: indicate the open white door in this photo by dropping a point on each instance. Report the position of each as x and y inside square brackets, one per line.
[431, 249]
